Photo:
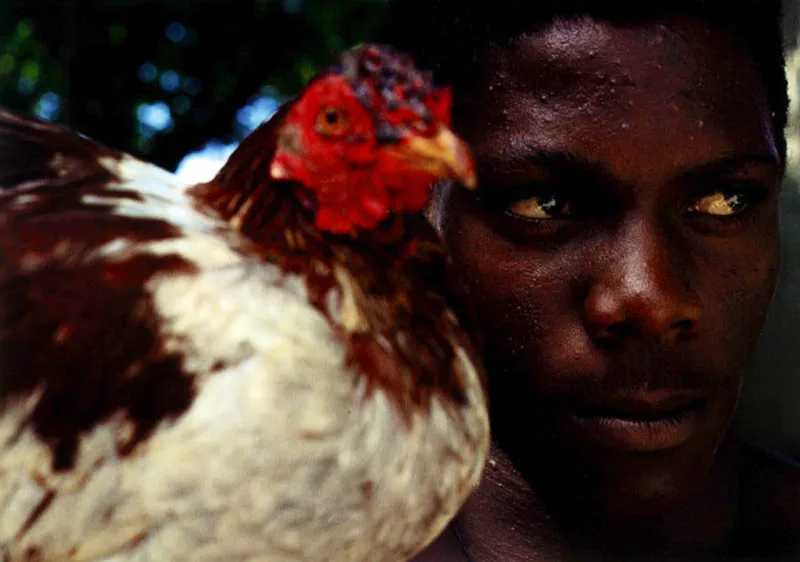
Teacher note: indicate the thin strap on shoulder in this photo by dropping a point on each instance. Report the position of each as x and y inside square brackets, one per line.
[461, 543]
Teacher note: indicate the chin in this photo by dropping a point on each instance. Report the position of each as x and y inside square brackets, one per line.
[650, 485]
[633, 484]
[653, 483]
[595, 478]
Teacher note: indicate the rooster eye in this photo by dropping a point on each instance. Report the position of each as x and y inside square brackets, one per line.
[331, 122]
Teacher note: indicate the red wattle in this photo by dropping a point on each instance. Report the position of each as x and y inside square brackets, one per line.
[331, 220]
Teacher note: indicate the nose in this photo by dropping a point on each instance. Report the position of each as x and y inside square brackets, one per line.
[644, 290]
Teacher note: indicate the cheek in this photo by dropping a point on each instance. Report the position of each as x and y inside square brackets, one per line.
[738, 284]
[736, 275]
[530, 300]
[523, 297]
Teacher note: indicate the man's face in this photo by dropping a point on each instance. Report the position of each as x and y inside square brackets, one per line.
[622, 249]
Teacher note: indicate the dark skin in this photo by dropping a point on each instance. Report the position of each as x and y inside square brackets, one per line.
[624, 243]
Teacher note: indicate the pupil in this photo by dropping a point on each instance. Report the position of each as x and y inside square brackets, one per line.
[552, 204]
[331, 117]
[736, 202]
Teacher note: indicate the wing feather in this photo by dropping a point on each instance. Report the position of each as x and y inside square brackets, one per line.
[120, 297]
[167, 394]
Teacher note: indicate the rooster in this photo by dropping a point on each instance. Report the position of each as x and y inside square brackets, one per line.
[264, 367]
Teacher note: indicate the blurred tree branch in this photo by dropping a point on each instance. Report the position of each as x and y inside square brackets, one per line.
[91, 52]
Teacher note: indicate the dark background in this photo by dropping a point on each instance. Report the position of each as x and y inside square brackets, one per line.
[160, 79]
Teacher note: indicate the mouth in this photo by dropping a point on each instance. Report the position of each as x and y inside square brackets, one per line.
[641, 422]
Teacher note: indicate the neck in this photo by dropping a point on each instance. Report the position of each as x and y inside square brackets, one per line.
[279, 218]
[244, 194]
[366, 285]
[279, 215]
[506, 519]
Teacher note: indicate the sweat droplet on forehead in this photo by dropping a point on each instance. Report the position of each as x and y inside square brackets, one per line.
[632, 101]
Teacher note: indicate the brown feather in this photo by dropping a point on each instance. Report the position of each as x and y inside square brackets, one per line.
[80, 331]
[407, 346]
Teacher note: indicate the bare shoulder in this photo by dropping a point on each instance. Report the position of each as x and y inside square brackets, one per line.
[769, 506]
[443, 549]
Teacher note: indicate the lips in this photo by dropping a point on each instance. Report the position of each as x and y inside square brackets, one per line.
[641, 421]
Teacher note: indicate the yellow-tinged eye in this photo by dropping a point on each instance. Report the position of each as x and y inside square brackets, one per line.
[548, 206]
[332, 121]
[720, 203]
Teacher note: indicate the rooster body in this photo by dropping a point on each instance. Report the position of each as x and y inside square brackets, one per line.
[182, 381]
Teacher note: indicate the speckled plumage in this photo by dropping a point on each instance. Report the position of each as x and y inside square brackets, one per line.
[178, 387]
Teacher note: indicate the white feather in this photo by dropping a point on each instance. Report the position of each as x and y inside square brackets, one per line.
[283, 455]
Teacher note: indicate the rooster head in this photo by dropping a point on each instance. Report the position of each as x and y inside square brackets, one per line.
[367, 139]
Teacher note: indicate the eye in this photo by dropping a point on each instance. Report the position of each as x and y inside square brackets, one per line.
[728, 200]
[541, 206]
[720, 204]
[331, 121]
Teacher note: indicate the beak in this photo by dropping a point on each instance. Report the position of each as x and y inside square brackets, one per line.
[443, 155]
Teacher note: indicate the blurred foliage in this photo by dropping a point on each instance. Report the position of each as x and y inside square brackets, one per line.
[160, 78]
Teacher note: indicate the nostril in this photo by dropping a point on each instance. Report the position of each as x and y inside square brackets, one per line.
[684, 328]
[637, 306]
[613, 334]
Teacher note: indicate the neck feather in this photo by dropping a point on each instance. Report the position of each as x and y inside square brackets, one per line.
[393, 274]
[244, 194]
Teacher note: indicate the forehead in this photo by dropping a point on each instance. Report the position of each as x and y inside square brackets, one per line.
[644, 98]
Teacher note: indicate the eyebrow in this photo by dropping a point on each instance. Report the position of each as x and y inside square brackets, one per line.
[729, 164]
[566, 161]
[576, 164]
